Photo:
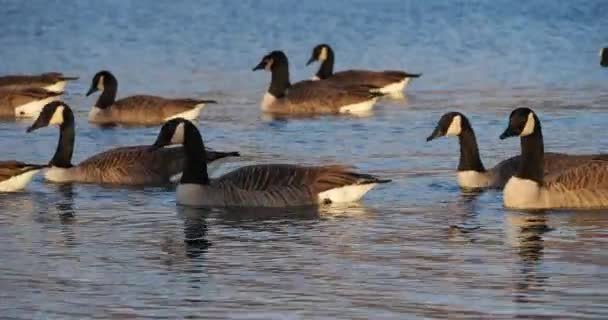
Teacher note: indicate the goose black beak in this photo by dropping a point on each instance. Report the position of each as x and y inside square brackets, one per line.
[436, 134]
[311, 60]
[508, 133]
[260, 66]
[39, 123]
[91, 91]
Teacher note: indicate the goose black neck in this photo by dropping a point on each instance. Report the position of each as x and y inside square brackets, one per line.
[326, 69]
[108, 95]
[65, 146]
[532, 156]
[469, 151]
[279, 82]
[195, 167]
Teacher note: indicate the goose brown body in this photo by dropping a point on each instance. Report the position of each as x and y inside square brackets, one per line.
[13, 102]
[42, 81]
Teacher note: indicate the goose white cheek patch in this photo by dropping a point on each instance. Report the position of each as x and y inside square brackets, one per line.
[178, 134]
[455, 127]
[529, 127]
[57, 117]
[100, 83]
[323, 54]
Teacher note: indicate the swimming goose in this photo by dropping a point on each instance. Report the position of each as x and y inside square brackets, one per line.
[138, 109]
[471, 172]
[388, 81]
[51, 81]
[133, 165]
[310, 97]
[15, 175]
[26, 102]
[604, 57]
[582, 186]
[270, 185]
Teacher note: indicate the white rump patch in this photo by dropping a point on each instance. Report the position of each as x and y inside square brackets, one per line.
[315, 78]
[522, 194]
[57, 117]
[359, 108]
[455, 127]
[395, 87]
[191, 114]
[530, 124]
[56, 174]
[32, 109]
[473, 179]
[17, 182]
[345, 194]
[267, 101]
[56, 87]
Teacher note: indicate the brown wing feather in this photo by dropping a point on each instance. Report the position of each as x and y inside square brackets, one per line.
[320, 96]
[592, 174]
[19, 82]
[10, 99]
[149, 109]
[318, 179]
[375, 78]
[11, 168]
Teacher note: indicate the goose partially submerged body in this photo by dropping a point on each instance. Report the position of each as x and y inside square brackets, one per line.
[582, 186]
[138, 109]
[25, 103]
[471, 172]
[311, 97]
[270, 185]
[391, 82]
[133, 165]
[15, 175]
[51, 81]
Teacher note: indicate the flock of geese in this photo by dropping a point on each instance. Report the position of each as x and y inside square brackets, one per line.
[532, 180]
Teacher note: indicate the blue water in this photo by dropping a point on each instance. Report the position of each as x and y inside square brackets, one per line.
[413, 249]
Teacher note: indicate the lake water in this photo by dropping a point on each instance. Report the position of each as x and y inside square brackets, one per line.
[416, 248]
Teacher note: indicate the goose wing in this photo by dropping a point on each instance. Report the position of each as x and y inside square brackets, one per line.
[591, 174]
[374, 78]
[318, 179]
[133, 165]
[19, 82]
[151, 109]
[10, 99]
[321, 96]
[13, 168]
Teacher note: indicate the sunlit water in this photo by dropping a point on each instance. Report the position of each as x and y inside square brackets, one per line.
[415, 248]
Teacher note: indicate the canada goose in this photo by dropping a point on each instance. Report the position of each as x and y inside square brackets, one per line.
[582, 186]
[310, 97]
[51, 81]
[26, 102]
[15, 175]
[471, 172]
[270, 185]
[138, 109]
[133, 165]
[388, 81]
[604, 57]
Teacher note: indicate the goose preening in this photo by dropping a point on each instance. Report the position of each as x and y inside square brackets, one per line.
[26, 103]
[582, 186]
[310, 97]
[51, 81]
[15, 175]
[471, 172]
[604, 57]
[388, 81]
[133, 165]
[138, 109]
[269, 185]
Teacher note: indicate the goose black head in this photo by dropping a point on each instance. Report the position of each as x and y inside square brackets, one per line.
[522, 122]
[54, 113]
[320, 53]
[271, 61]
[450, 124]
[172, 132]
[101, 80]
[604, 57]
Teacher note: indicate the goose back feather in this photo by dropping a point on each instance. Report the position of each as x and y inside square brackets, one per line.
[51, 81]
